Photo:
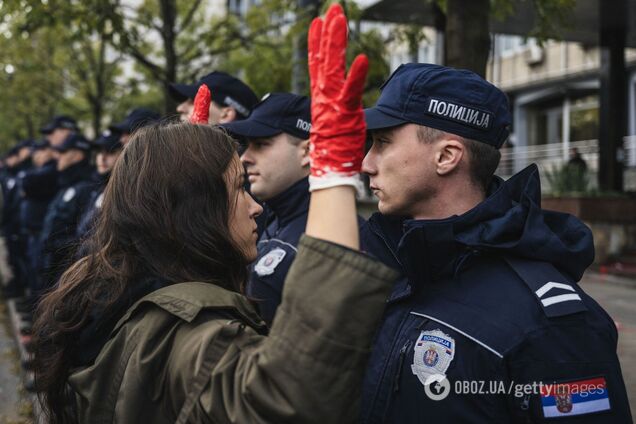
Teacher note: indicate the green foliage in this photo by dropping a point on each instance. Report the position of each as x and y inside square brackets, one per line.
[568, 180]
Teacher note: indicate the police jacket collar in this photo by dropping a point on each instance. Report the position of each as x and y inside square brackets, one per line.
[509, 222]
[290, 203]
[75, 173]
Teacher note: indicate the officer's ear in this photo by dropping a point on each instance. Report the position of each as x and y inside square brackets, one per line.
[449, 152]
[228, 114]
[304, 146]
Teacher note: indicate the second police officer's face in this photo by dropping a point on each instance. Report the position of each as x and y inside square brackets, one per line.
[401, 171]
[274, 164]
[105, 161]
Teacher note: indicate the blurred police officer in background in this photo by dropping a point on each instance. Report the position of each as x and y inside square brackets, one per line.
[39, 186]
[108, 146]
[277, 163]
[75, 184]
[135, 119]
[489, 291]
[58, 128]
[232, 99]
[18, 161]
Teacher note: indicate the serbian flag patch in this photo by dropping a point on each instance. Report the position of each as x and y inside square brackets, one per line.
[575, 397]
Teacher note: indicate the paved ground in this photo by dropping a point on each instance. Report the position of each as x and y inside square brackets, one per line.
[13, 405]
[618, 298]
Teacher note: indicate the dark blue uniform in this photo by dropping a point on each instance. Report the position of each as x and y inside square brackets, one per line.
[39, 186]
[89, 215]
[287, 219]
[489, 298]
[16, 243]
[58, 237]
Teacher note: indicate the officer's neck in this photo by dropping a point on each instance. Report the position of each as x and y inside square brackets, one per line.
[450, 201]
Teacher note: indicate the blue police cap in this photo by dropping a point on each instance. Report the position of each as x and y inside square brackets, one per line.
[226, 90]
[59, 121]
[74, 141]
[109, 141]
[136, 119]
[277, 113]
[40, 145]
[457, 101]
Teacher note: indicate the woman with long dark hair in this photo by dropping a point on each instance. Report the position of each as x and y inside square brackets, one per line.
[151, 327]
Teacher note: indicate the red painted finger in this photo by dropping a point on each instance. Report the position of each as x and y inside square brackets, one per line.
[313, 51]
[354, 87]
[201, 110]
[335, 55]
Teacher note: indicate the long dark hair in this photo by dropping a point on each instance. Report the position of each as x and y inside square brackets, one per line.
[165, 213]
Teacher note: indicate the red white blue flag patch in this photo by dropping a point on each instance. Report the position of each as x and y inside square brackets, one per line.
[575, 397]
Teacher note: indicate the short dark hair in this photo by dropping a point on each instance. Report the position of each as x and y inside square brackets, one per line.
[483, 158]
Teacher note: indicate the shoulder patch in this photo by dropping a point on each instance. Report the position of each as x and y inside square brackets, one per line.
[268, 263]
[579, 397]
[10, 183]
[69, 194]
[555, 294]
[434, 351]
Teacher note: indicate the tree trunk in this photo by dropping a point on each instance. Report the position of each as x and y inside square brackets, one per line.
[169, 18]
[307, 10]
[467, 41]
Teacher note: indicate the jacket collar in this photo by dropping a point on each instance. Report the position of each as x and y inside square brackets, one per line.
[290, 203]
[186, 300]
[509, 221]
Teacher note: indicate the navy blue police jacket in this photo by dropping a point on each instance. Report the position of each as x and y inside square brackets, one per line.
[286, 222]
[12, 199]
[39, 186]
[58, 236]
[94, 205]
[488, 313]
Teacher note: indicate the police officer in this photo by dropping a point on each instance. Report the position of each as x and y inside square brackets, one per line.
[58, 128]
[487, 323]
[18, 161]
[39, 186]
[277, 165]
[135, 119]
[232, 99]
[58, 236]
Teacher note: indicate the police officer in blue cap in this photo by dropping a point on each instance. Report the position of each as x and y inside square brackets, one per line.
[18, 161]
[108, 146]
[58, 128]
[277, 163]
[60, 223]
[232, 99]
[487, 323]
[39, 186]
[135, 119]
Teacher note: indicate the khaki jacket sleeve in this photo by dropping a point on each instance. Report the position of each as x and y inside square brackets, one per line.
[310, 367]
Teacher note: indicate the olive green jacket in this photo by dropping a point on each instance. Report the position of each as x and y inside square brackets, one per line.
[197, 353]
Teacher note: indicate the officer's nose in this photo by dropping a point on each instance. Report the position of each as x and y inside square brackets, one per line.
[246, 157]
[368, 163]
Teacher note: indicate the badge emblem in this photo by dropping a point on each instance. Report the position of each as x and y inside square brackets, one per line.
[99, 201]
[268, 263]
[434, 352]
[69, 194]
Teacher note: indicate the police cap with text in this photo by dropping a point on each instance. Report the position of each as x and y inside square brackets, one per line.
[226, 90]
[276, 113]
[456, 101]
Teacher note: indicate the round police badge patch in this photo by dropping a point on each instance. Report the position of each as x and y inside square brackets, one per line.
[99, 201]
[69, 194]
[434, 351]
[268, 263]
